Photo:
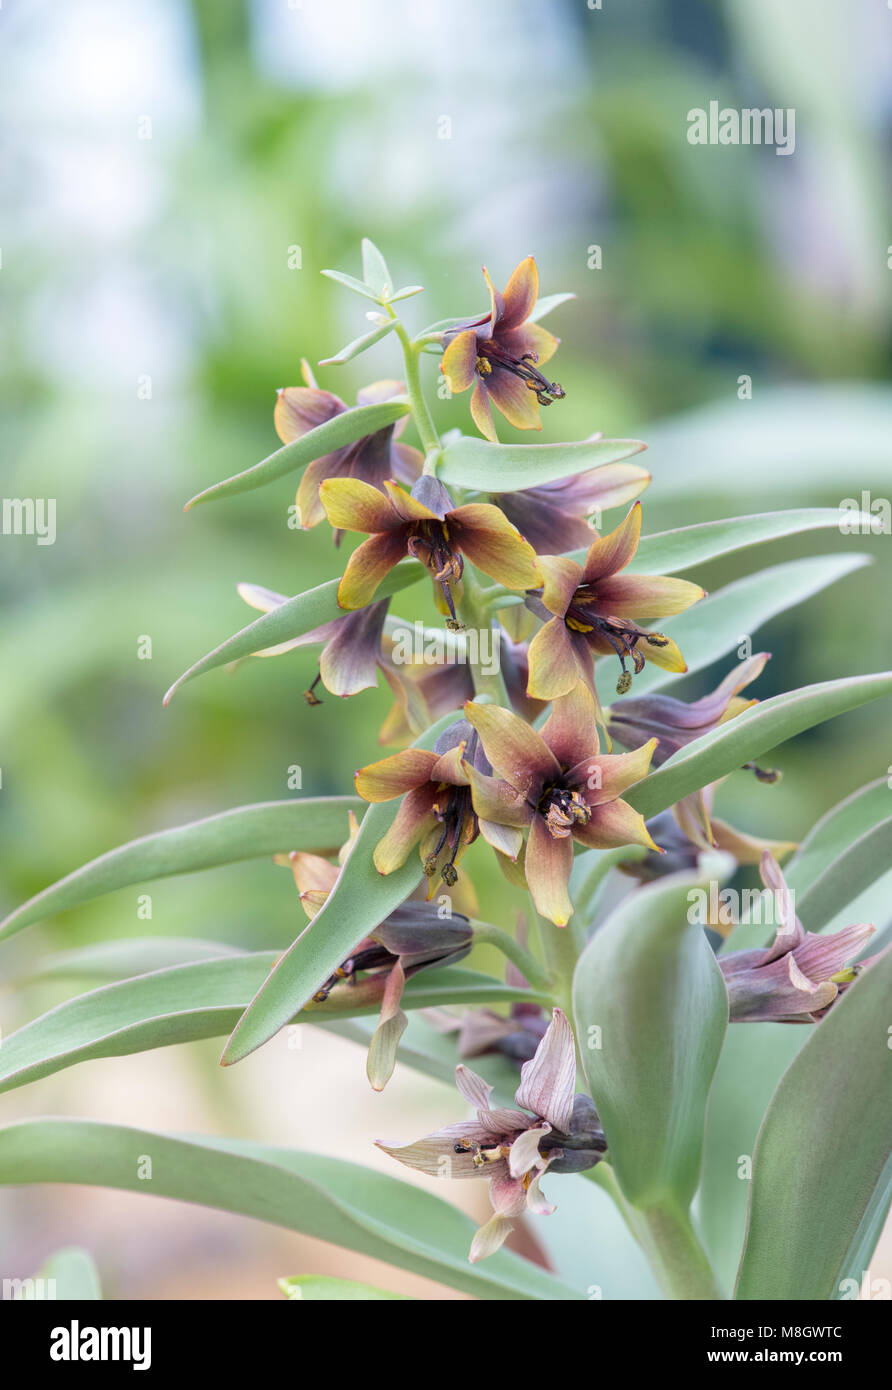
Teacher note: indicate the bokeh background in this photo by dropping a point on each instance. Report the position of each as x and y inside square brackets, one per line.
[160, 163]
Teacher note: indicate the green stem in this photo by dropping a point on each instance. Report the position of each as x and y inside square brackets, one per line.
[485, 934]
[427, 432]
[676, 1256]
[474, 613]
[561, 947]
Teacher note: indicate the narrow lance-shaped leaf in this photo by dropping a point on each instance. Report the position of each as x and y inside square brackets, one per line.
[359, 901]
[293, 618]
[329, 1199]
[485, 467]
[319, 824]
[651, 1012]
[374, 269]
[358, 345]
[822, 1167]
[341, 429]
[205, 999]
[749, 735]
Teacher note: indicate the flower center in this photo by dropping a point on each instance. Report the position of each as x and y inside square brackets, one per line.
[622, 637]
[429, 543]
[455, 812]
[561, 810]
[492, 354]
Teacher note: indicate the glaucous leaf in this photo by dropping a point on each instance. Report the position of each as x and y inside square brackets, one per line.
[492, 468]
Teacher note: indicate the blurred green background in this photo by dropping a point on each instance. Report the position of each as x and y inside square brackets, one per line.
[161, 164]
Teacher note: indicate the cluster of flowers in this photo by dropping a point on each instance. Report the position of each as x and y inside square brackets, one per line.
[530, 792]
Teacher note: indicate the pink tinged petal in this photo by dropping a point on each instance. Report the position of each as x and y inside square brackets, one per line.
[488, 539]
[265, 600]
[407, 462]
[548, 1079]
[612, 825]
[379, 391]
[614, 551]
[548, 863]
[562, 578]
[309, 503]
[517, 402]
[820, 957]
[645, 596]
[537, 1202]
[543, 524]
[571, 731]
[609, 485]
[524, 1153]
[459, 361]
[518, 754]
[481, 413]
[368, 565]
[790, 932]
[530, 338]
[502, 1121]
[353, 505]
[300, 409]
[435, 1153]
[350, 660]
[385, 1040]
[557, 661]
[606, 777]
[390, 777]
[496, 302]
[520, 294]
[490, 1238]
[475, 1090]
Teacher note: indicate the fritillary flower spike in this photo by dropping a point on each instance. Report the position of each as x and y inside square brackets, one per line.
[559, 785]
[552, 1129]
[374, 458]
[594, 609]
[801, 974]
[502, 352]
[426, 525]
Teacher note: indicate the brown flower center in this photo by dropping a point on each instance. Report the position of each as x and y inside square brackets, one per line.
[562, 810]
[454, 810]
[622, 637]
[429, 543]
[492, 354]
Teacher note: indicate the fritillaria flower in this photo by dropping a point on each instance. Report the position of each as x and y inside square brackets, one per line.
[559, 785]
[680, 852]
[798, 977]
[436, 811]
[374, 458]
[501, 352]
[426, 525]
[554, 516]
[351, 650]
[595, 609]
[675, 724]
[413, 937]
[551, 1128]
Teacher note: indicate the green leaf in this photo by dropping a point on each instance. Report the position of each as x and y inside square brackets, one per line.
[822, 1172]
[715, 626]
[120, 960]
[754, 732]
[317, 823]
[73, 1273]
[651, 1012]
[842, 825]
[326, 1198]
[359, 901]
[366, 340]
[357, 286]
[667, 552]
[294, 618]
[853, 870]
[341, 429]
[485, 467]
[406, 292]
[548, 302]
[374, 269]
[204, 999]
[325, 1287]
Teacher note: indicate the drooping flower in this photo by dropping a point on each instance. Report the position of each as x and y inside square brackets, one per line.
[351, 650]
[558, 784]
[552, 1128]
[374, 458]
[502, 351]
[595, 609]
[436, 811]
[426, 525]
[801, 974]
[412, 938]
[680, 852]
[554, 516]
[676, 723]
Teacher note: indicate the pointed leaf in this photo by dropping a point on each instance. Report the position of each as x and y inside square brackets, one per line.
[651, 1012]
[327, 1198]
[822, 1167]
[407, 292]
[318, 823]
[485, 467]
[341, 429]
[548, 302]
[357, 286]
[366, 340]
[374, 269]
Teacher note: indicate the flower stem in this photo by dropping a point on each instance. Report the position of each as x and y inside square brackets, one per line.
[427, 432]
[485, 934]
[474, 613]
[676, 1256]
